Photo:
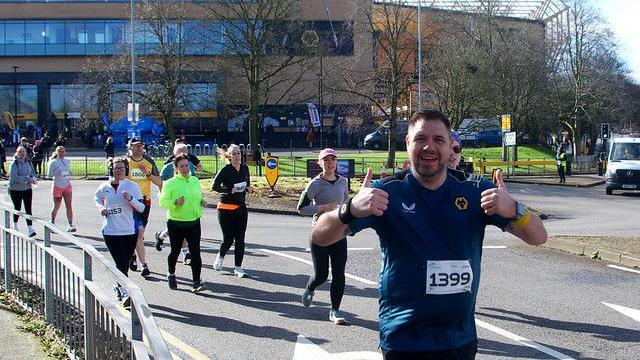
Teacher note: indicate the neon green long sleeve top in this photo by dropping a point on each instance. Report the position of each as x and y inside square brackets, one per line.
[176, 187]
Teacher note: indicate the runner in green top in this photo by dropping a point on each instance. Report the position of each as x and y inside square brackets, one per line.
[182, 197]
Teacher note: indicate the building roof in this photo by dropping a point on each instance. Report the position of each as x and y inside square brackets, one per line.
[526, 9]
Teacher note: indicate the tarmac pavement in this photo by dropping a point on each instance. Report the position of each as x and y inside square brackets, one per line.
[626, 251]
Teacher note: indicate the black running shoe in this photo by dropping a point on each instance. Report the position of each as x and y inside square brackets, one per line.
[159, 242]
[127, 303]
[133, 264]
[145, 270]
[198, 286]
[173, 284]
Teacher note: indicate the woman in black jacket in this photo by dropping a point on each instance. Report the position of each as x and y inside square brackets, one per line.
[232, 182]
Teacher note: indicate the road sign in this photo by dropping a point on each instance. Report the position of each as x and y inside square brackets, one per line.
[271, 171]
[604, 127]
[506, 123]
[510, 138]
[132, 115]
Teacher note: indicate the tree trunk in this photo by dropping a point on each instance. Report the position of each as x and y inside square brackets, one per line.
[393, 120]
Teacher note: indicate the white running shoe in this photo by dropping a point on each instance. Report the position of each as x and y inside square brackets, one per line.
[71, 228]
[31, 231]
[336, 317]
[217, 265]
[239, 272]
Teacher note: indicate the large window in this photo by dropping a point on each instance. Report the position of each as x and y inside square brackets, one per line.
[110, 37]
[27, 100]
[76, 98]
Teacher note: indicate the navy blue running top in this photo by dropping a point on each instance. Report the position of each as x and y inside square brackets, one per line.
[422, 225]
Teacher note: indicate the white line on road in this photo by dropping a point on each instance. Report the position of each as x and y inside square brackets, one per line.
[494, 247]
[624, 269]
[350, 249]
[485, 325]
[632, 313]
[523, 340]
[350, 276]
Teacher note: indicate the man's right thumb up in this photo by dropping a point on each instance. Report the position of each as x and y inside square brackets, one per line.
[367, 178]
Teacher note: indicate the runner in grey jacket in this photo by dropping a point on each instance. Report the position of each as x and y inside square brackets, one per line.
[324, 193]
[22, 177]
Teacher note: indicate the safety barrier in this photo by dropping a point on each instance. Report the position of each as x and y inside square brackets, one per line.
[77, 299]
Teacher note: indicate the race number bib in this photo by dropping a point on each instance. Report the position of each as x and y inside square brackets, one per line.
[115, 211]
[449, 277]
[137, 174]
[239, 187]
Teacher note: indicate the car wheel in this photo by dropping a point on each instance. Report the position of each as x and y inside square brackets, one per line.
[609, 191]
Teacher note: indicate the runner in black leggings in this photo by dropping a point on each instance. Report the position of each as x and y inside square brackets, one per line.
[117, 200]
[21, 178]
[232, 182]
[324, 193]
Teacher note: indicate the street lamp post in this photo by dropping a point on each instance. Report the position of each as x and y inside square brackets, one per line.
[133, 61]
[321, 96]
[15, 91]
[420, 54]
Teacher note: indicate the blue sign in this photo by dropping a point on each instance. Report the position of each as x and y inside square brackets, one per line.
[272, 164]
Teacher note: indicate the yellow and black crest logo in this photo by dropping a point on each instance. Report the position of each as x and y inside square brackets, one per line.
[461, 203]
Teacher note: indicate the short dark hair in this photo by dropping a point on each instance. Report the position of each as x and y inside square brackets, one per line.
[179, 157]
[430, 115]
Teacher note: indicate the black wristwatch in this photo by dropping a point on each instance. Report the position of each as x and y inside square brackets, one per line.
[521, 211]
[344, 214]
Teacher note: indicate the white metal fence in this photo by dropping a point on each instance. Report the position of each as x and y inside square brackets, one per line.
[75, 296]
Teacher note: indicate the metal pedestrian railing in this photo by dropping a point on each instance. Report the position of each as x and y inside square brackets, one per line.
[77, 299]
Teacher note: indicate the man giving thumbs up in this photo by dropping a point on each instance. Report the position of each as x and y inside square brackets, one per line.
[431, 222]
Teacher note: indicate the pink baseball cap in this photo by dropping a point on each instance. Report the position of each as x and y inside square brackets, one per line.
[326, 152]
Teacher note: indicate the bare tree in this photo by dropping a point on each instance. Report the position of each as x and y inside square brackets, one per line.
[392, 25]
[258, 39]
[165, 70]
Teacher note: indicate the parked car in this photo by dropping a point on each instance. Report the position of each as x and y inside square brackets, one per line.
[379, 139]
[488, 137]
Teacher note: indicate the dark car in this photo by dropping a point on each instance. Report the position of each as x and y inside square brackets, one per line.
[490, 137]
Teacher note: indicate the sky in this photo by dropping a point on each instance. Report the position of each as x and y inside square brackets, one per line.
[624, 18]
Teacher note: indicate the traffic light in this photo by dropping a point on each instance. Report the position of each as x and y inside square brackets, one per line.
[605, 130]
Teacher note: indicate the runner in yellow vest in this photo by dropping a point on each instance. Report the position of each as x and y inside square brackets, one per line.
[142, 171]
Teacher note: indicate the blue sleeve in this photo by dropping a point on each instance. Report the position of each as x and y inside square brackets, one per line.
[370, 221]
[495, 220]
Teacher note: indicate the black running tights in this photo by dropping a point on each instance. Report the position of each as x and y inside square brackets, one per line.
[18, 197]
[178, 232]
[233, 224]
[337, 252]
[121, 247]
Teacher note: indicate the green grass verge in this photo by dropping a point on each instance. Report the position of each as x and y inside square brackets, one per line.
[297, 166]
[50, 339]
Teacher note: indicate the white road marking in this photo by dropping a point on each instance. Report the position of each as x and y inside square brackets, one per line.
[522, 340]
[350, 276]
[485, 325]
[494, 247]
[350, 249]
[305, 350]
[623, 268]
[632, 313]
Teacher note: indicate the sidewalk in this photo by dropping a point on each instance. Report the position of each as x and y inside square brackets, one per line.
[578, 180]
[17, 345]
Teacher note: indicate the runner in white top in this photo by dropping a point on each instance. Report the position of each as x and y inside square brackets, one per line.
[60, 171]
[117, 199]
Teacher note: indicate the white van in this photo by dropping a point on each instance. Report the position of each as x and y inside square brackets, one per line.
[623, 165]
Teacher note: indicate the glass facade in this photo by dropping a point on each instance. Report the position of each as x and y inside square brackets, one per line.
[27, 100]
[110, 37]
[73, 98]
[195, 97]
